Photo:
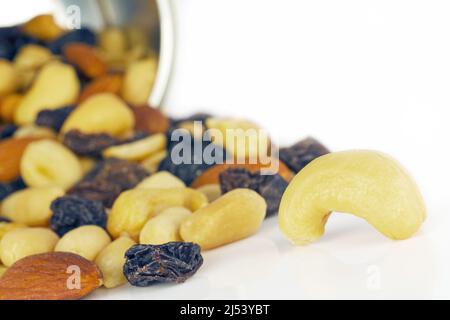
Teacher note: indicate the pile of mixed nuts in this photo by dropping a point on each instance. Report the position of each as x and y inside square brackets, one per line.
[92, 193]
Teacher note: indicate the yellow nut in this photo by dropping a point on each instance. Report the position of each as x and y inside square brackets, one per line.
[101, 113]
[133, 208]
[152, 162]
[211, 191]
[368, 184]
[21, 243]
[161, 180]
[9, 78]
[2, 270]
[138, 81]
[165, 227]
[56, 85]
[47, 163]
[86, 241]
[6, 227]
[87, 164]
[111, 260]
[113, 43]
[34, 131]
[8, 106]
[234, 216]
[31, 206]
[32, 57]
[138, 150]
[43, 27]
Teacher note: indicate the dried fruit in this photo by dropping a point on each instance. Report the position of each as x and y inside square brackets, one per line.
[110, 83]
[82, 35]
[31, 206]
[24, 242]
[300, 154]
[71, 212]
[43, 27]
[90, 145]
[161, 180]
[102, 113]
[138, 82]
[368, 184]
[270, 187]
[11, 151]
[50, 276]
[12, 39]
[8, 78]
[137, 150]
[172, 262]
[86, 241]
[56, 86]
[7, 130]
[111, 261]
[85, 58]
[48, 163]
[54, 119]
[8, 188]
[150, 120]
[234, 216]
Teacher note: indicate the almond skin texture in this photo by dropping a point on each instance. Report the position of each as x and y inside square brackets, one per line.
[50, 276]
[150, 120]
[86, 59]
[104, 84]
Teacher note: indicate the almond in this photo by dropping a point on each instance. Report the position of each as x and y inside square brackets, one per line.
[109, 83]
[50, 276]
[150, 120]
[11, 151]
[86, 59]
[211, 176]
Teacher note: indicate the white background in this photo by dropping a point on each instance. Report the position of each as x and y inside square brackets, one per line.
[372, 74]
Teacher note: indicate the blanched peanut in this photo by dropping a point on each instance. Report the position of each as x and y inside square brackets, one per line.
[21, 243]
[86, 241]
[8, 78]
[165, 227]
[31, 206]
[34, 131]
[113, 43]
[138, 150]
[43, 27]
[32, 57]
[368, 184]
[234, 216]
[101, 113]
[48, 163]
[138, 82]
[161, 180]
[6, 227]
[211, 191]
[133, 208]
[111, 260]
[56, 86]
[152, 162]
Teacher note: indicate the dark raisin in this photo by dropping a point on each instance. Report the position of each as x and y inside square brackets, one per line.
[83, 35]
[7, 130]
[91, 145]
[270, 187]
[302, 153]
[3, 219]
[54, 119]
[8, 188]
[70, 212]
[12, 39]
[108, 179]
[171, 262]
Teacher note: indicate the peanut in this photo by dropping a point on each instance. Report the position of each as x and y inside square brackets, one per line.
[86, 241]
[32, 57]
[9, 79]
[111, 260]
[43, 27]
[31, 206]
[101, 113]
[138, 150]
[32, 130]
[165, 227]
[21, 243]
[138, 81]
[114, 44]
[234, 216]
[211, 191]
[6, 227]
[48, 163]
[152, 162]
[368, 184]
[133, 208]
[161, 180]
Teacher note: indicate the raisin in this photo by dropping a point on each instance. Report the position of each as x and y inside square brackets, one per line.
[12, 39]
[70, 212]
[91, 145]
[270, 187]
[108, 179]
[83, 35]
[54, 119]
[3, 219]
[302, 153]
[171, 262]
[7, 130]
[8, 188]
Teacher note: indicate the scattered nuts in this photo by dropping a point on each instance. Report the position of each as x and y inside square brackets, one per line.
[85, 58]
[234, 216]
[211, 191]
[48, 163]
[161, 180]
[139, 149]
[164, 227]
[111, 261]
[50, 276]
[150, 120]
[24, 242]
[133, 208]
[138, 81]
[8, 78]
[86, 241]
[11, 151]
[111, 83]
[31, 206]
[43, 27]
[368, 184]
[102, 113]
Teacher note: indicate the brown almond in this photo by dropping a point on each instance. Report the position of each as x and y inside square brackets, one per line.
[85, 58]
[211, 176]
[50, 276]
[150, 120]
[110, 83]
